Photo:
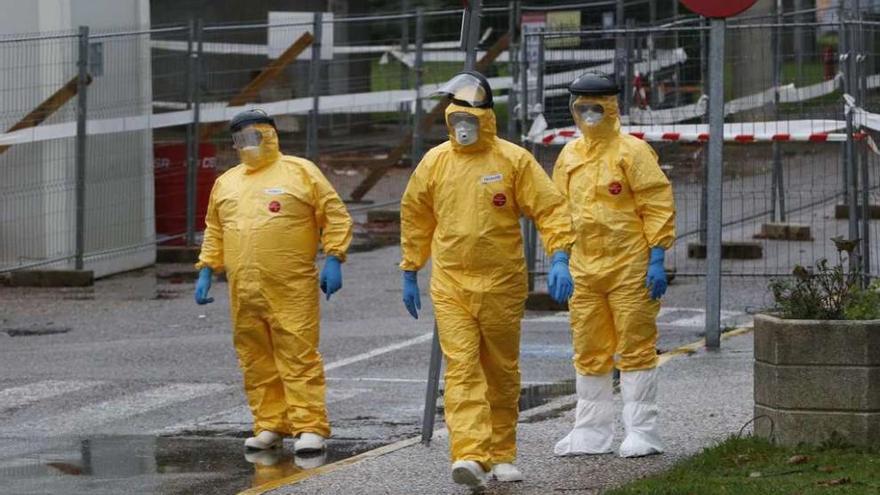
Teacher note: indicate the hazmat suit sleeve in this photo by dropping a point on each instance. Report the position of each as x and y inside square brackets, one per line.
[211, 255]
[652, 192]
[417, 221]
[560, 175]
[331, 215]
[540, 200]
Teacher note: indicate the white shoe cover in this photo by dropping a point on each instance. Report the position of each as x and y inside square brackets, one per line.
[639, 391]
[310, 461]
[593, 430]
[264, 440]
[470, 474]
[308, 442]
[263, 457]
[506, 472]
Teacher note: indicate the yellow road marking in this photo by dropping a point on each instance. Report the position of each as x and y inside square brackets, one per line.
[402, 444]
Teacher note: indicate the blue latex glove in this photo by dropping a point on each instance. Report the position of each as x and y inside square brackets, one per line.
[331, 276]
[559, 282]
[656, 279]
[203, 285]
[411, 298]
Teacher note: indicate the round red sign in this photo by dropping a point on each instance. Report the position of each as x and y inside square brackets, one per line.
[718, 8]
[499, 199]
[615, 188]
[274, 206]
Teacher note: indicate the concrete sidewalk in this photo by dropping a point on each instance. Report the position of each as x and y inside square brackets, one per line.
[704, 398]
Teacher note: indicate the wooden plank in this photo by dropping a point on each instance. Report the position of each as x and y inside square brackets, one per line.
[397, 152]
[272, 71]
[44, 110]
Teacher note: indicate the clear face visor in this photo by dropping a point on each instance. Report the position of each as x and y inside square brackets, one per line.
[466, 89]
[586, 112]
[249, 137]
[465, 128]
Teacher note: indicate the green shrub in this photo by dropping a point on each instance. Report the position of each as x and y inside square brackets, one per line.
[828, 292]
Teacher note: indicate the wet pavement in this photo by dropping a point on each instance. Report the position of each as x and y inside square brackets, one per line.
[156, 465]
[129, 387]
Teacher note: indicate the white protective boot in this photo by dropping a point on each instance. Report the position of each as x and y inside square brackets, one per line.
[470, 474]
[593, 430]
[639, 391]
[308, 442]
[506, 472]
[263, 441]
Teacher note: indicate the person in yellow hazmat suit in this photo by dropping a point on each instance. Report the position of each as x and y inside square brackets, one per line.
[264, 222]
[624, 215]
[462, 208]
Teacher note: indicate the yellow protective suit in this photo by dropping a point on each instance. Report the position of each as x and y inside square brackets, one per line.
[264, 221]
[622, 206]
[462, 205]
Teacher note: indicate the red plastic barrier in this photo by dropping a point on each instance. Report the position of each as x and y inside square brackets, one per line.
[169, 162]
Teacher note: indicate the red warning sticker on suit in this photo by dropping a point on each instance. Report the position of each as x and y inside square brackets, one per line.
[615, 188]
[274, 206]
[499, 200]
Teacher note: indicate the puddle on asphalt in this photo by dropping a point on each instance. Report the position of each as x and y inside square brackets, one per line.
[158, 465]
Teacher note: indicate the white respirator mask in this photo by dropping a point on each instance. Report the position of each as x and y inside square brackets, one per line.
[465, 128]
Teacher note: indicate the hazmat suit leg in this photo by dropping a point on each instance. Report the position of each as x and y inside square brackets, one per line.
[635, 316]
[278, 354]
[593, 331]
[500, 317]
[594, 341]
[635, 319]
[295, 333]
[479, 336]
[262, 383]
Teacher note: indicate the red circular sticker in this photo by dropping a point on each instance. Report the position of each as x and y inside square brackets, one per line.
[716, 8]
[615, 188]
[499, 199]
[274, 206]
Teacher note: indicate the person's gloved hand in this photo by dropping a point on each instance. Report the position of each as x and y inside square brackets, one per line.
[559, 282]
[331, 276]
[411, 298]
[203, 285]
[656, 279]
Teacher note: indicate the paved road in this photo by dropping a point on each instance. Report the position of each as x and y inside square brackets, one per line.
[132, 384]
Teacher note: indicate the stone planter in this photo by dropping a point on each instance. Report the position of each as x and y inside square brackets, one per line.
[817, 379]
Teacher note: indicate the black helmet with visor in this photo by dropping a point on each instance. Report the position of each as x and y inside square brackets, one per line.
[469, 89]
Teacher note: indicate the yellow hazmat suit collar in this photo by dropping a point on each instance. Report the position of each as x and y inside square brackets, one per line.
[486, 117]
[264, 155]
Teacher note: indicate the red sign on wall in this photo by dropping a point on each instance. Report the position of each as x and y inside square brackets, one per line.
[718, 8]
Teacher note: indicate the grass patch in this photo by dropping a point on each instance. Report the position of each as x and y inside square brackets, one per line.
[751, 466]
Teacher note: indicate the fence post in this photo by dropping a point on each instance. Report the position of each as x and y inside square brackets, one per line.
[843, 58]
[865, 165]
[777, 192]
[714, 184]
[512, 17]
[619, 44]
[524, 84]
[849, 85]
[430, 410]
[192, 132]
[82, 83]
[652, 53]
[404, 115]
[416, 154]
[675, 44]
[704, 157]
[315, 89]
[628, 74]
[472, 36]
